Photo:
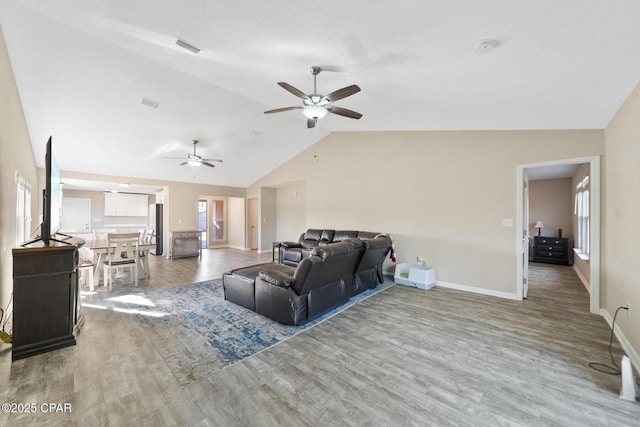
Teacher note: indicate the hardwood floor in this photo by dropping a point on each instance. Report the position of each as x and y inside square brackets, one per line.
[402, 357]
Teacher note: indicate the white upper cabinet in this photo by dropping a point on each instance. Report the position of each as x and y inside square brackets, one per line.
[123, 204]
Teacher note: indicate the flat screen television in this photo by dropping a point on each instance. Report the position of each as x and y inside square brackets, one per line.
[52, 204]
[52, 198]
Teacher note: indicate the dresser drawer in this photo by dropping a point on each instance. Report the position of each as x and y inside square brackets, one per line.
[551, 241]
[550, 248]
[559, 255]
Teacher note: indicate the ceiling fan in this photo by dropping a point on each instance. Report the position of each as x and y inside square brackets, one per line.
[196, 160]
[317, 106]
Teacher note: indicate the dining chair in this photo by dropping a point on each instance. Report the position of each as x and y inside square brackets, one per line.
[101, 233]
[124, 254]
[86, 266]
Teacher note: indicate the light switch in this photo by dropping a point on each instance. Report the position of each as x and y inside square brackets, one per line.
[507, 222]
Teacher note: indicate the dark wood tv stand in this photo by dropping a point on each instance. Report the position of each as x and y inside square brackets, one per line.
[46, 307]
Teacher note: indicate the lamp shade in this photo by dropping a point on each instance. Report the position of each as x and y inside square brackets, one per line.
[539, 224]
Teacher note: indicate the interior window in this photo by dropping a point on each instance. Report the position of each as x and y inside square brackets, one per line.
[582, 212]
[23, 210]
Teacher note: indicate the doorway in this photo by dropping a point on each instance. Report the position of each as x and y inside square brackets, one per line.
[523, 175]
[76, 216]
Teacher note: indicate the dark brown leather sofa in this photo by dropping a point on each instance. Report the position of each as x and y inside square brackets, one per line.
[322, 281]
[291, 253]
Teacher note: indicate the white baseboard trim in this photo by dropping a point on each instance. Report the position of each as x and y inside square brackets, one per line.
[624, 342]
[584, 281]
[483, 291]
[475, 290]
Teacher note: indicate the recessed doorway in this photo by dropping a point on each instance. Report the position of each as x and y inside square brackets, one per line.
[524, 173]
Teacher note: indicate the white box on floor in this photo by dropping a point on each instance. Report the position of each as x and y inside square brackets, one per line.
[418, 276]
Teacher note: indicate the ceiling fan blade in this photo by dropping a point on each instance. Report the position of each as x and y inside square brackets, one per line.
[311, 123]
[175, 158]
[212, 160]
[343, 93]
[279, 110]
[207, 164]
[183, 163]
[293, 90]
[344, 112]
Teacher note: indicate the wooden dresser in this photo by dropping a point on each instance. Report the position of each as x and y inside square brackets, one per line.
[553, 250]
[46, 308]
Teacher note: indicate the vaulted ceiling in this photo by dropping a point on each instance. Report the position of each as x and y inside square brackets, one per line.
[83, 68]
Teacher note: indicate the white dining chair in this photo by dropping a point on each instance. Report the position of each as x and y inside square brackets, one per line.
[122, 252]
[101, 233]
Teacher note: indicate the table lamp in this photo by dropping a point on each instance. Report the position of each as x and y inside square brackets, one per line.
[539, 225]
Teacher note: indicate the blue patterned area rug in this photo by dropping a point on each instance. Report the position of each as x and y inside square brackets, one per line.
[197, 332]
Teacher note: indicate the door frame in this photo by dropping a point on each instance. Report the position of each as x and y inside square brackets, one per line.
[253, 214]
[204, 244]
[526, 242]
[594, 213]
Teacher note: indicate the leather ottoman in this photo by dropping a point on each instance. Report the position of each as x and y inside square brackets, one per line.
[239, 284]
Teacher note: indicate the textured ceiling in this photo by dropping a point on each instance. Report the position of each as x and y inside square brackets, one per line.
[83, 67]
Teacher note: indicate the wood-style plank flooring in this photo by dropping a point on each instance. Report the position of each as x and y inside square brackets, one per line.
[402, 357]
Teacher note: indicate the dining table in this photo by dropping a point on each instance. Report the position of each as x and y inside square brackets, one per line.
[100, 248]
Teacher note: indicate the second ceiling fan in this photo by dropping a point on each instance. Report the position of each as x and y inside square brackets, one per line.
[317, 106]
[196, 160]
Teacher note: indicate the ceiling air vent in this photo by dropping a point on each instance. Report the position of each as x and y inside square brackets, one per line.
[187, 46]
[150, 103]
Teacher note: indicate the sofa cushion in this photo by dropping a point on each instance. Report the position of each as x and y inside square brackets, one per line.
[368, 235]
[327, 237]
[292, 254]
[310, 238]
[369, 271]
[337, 263]
[341, 235]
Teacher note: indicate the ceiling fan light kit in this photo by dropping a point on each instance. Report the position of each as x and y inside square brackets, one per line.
[314, 111]
[317, 106]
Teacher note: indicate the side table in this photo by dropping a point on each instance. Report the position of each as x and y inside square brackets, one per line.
[275, 246]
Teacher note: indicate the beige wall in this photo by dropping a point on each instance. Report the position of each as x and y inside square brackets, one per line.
[236, 230]
[621, 214]
[550, 200]
[291, 204]
[442, 195]
[268, 218]
[16, 157]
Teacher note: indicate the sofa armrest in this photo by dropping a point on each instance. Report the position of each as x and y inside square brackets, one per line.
[290, 245]
[276, 278]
